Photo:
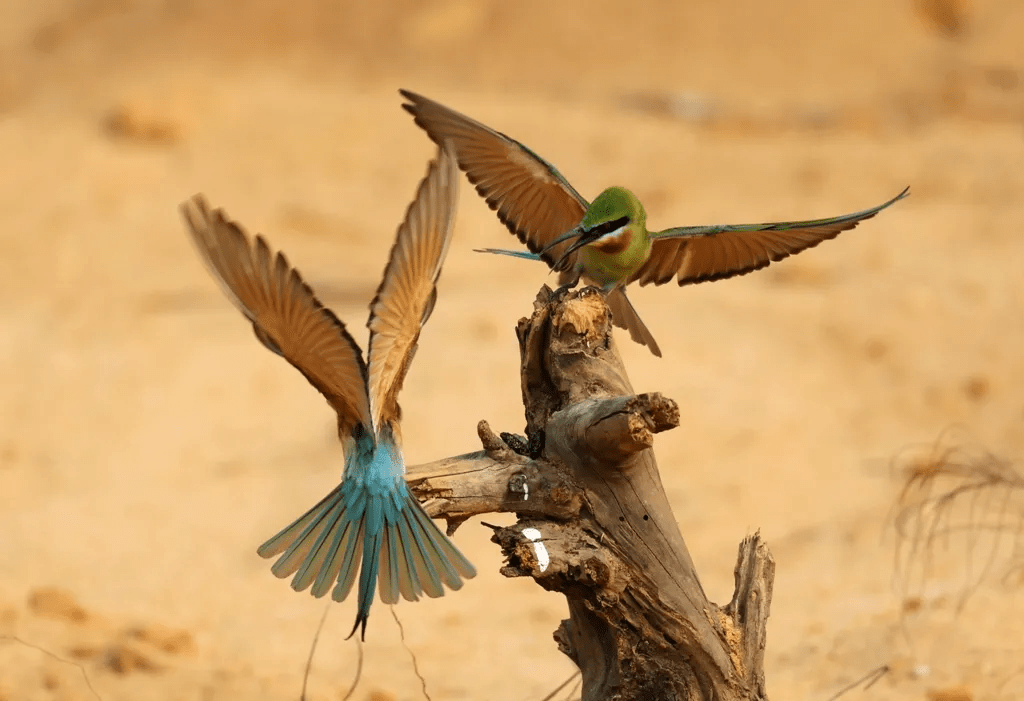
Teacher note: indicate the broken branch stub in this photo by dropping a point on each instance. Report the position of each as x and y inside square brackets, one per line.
[594, 522]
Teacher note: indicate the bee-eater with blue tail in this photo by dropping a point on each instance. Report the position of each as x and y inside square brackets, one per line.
[370, 524]
[606, 242]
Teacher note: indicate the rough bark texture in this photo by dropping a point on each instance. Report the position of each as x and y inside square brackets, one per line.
[595, 525]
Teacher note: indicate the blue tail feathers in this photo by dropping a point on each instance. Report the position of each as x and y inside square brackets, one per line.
[371, 519]
[505, 252]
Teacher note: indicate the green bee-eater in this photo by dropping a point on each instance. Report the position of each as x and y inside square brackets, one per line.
[607, 242]
[370, 524]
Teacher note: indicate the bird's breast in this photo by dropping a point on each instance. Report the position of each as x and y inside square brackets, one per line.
[610, 263]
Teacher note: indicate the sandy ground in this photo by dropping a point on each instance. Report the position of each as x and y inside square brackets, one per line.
[148, 444]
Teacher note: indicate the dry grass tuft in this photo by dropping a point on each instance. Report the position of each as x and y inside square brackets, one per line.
[958, 499]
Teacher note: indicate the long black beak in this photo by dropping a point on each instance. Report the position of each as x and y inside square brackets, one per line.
[584, 237]
[582, 240]
[570, 234]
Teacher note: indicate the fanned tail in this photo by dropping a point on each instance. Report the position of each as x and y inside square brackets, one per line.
[387, 539]
[625, 317]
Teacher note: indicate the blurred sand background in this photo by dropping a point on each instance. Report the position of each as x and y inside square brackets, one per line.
[148, 443]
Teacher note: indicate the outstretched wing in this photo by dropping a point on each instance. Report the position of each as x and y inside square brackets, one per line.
[286, 316]
[408, 291]
[530, 196]
[702, 253]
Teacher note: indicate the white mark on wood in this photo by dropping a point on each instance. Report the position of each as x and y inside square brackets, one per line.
[533, 535]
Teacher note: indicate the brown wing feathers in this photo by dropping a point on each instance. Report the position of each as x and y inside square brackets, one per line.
[285, 314]
[408, 290]
[528, 194]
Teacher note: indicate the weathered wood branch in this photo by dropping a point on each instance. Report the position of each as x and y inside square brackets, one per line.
[594, 522]
[493, 480]
[612, 430]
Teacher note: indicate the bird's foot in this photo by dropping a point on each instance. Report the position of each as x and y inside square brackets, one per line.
[559, 291]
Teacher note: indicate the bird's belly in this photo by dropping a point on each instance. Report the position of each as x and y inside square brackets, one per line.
[606, 270]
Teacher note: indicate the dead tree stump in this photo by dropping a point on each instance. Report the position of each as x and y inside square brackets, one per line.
[594, 522]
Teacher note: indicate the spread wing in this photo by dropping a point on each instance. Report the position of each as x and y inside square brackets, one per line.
[530, 196]
[406, 296]
[286, 316]
[702, 253]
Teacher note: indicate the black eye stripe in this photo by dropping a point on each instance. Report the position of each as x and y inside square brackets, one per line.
[606, 227]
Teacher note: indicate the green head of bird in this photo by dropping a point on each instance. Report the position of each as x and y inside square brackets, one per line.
[611, 207]
[610, 221]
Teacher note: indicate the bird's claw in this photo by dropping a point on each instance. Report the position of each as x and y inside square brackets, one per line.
[562, 289]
